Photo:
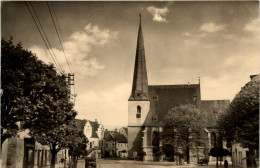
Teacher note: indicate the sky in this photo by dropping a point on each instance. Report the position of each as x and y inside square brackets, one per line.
[216, 41]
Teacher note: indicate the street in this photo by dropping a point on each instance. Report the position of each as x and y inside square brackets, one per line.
[105, 163]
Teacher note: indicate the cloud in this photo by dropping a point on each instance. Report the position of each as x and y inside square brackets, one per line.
[158, 14]
[186, 34]
[212, 27]
[77, 48]
[252, 26]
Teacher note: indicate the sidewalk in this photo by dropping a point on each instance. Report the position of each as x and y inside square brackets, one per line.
[162, 163]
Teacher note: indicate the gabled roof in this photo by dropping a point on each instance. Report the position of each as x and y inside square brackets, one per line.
[95, 127]
[80, 124]
[120, 138]
[165, 97]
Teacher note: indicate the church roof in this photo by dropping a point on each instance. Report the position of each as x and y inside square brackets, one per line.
[214, 108]
[140, 81]
[165, 97]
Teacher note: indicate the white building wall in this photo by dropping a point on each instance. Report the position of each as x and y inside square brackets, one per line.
[238, 155]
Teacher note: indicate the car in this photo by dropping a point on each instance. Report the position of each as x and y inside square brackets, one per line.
[90, 162]
[203, 161]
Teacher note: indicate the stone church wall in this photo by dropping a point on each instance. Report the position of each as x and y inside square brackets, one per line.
[135, 140]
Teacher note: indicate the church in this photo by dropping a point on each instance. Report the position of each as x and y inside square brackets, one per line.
[148, 104]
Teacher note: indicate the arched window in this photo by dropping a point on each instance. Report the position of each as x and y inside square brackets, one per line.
[155, 141]
[138, 113]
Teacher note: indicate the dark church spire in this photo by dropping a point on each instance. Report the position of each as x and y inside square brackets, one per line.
[140, 81]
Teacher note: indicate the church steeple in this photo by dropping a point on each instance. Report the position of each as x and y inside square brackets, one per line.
[140, 81]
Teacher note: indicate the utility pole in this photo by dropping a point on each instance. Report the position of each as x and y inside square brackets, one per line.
[70, 82]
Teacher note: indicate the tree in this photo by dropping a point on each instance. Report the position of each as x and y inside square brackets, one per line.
[184, 126]
[49, 120]
[218, 152]
[22, 76]
[77, 143]
[240, 123]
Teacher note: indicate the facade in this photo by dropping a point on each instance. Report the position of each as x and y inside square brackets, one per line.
[23, 151]
[115, 144]
[94, 131]
[148, 104]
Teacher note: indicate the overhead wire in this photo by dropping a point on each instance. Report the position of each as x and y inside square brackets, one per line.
[38, 28]
[58, 36]
[62, 39]
[59, 32]
[45, 36]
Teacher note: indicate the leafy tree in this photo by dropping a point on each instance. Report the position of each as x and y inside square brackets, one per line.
[76, 143]
[218, 152]
[184, 126]
[240, 123]
[54, 111]
[35, 95]
[23, 77]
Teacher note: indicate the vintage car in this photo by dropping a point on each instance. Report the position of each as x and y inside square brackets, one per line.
[203, 161]
[90, 162]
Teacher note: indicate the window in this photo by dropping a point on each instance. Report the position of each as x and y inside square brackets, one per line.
[106, 145]
[195, 98]
[154, 118]
[155, 98]
[138, 114]
[155, 140]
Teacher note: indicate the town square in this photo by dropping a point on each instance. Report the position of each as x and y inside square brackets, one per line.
[125, 84]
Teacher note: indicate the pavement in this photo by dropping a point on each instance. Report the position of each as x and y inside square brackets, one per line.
[110, 163]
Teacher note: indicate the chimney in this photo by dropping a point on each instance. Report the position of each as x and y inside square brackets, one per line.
[95, 120]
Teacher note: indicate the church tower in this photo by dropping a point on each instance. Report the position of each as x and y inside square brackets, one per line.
[138, 102]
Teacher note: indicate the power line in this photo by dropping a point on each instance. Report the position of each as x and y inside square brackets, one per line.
[58, 36]
[45, 35]
[42, 35]
[62, 39]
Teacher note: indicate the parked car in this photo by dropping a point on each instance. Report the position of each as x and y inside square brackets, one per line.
[203, 161]
[90, 162]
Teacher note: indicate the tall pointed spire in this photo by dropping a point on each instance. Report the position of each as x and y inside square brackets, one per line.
[140, 81]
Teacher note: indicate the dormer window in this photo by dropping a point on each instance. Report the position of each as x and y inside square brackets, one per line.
[154, 118]
[155, 98]
[138, 113]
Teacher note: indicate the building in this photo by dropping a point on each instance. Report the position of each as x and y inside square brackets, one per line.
[23, 151]
[148, 104]
[116, 143]
[94, 131]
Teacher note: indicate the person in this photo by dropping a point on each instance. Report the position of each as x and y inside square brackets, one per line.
[225, 164]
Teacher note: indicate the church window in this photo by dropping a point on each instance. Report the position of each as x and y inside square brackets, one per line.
[155, 98]
[138, 114]
[155, 141]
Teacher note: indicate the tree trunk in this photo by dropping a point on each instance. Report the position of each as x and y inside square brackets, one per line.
[217, 162]
[53, 156]
[251, 163]
[188, 154]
